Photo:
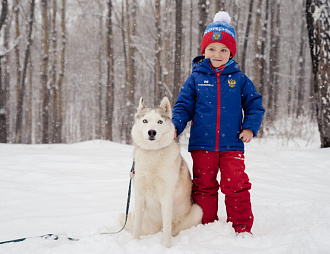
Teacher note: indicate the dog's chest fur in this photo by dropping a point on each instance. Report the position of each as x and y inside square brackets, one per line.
[155, 169]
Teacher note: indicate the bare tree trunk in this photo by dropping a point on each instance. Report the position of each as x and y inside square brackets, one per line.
[319, 40]
[168, 49]
[177, 52]
[123, 128]
[273, 86]
[202, 7]
[59, 95]
[301, 72]
[158, 50]
[6, 78]
[219, 5]
[99, 89]
[257, 47]
[17, 53]
[236, 7]
[29, 103]
[247, 32]
[53, 86]
[129, 55]
[190, 34]
[129, 90]
[263, 68]
[44, 73]
[131, 30]
[110, 76]
[22, 86]
[3, 115]
[4, 12]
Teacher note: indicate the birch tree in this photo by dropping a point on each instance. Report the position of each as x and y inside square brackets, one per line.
[99, 88]
[44, 72]
[158, 51]
[17, 52]
[203, 14]
[301, 71]
[274, 59]
[6, 73]
[3, 13]
[110, 75]
[59, 101]
[318, 18]
[53, 85]
[246, 37]
[263, 67]
[131, 32]
[219, 5]
[3, 120]
[177, 51]
[167, 54]
[80, 69]
[24, 70]
[257, 47]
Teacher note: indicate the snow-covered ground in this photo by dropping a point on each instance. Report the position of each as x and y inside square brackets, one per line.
[79, 190]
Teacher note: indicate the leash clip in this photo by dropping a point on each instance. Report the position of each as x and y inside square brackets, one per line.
[132, 172]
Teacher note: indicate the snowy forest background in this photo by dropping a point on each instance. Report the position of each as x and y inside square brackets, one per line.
[73, 71]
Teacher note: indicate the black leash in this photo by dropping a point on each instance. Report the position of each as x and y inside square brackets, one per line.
[131, 175]
[56, 237]
[48, 236]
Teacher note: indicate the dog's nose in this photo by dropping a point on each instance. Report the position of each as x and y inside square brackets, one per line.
[152, 133]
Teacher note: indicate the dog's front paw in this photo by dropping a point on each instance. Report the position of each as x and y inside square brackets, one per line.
[167, 242]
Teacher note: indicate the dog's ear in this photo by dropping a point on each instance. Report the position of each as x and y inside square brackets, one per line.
[165, 106]
[141, 104]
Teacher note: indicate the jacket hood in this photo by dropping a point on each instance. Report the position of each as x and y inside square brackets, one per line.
[200, 64]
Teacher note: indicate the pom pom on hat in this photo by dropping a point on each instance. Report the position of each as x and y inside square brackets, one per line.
[222, 16]
[220, 31]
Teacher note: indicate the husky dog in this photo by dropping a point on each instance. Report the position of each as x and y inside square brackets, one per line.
[162, 180]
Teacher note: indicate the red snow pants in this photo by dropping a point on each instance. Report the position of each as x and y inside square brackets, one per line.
[234, 183]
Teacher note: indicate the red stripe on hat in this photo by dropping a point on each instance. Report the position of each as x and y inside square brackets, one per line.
[226, 39]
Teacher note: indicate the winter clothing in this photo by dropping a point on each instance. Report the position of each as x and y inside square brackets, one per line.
[214, 102]
[220, 31]
[234, 184]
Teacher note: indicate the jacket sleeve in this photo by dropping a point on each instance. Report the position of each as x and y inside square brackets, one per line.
[183, 111]
[252, 107]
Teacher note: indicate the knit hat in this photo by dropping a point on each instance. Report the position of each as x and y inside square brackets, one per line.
[220, 31]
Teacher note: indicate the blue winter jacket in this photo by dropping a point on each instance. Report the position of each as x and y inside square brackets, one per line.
[216, 102]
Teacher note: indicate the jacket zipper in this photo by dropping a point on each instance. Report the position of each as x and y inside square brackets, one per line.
[218, 109]
[218, 114]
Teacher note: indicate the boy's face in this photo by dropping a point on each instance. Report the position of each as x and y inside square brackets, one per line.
[218, 53]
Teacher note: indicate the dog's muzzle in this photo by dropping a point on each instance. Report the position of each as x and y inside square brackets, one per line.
[152, 134]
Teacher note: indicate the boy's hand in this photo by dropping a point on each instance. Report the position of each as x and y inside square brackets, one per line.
[246, 136]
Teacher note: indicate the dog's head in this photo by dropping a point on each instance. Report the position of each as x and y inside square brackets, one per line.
[153, 128]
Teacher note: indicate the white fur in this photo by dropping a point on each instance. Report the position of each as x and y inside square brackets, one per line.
[222, 16]
[162, 180]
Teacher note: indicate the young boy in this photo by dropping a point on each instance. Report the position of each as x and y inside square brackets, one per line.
[214, 97]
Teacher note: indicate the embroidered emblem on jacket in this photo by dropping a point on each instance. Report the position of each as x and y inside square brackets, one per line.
[232, 83]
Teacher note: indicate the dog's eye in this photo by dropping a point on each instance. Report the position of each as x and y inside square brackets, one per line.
[145, 121]
[160, 121]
